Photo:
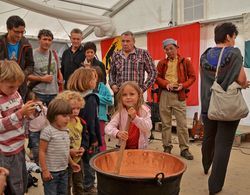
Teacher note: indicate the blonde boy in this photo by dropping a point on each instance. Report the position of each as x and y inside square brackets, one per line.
[12, 134]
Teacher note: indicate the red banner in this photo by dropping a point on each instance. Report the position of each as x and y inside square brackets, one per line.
[188, 40]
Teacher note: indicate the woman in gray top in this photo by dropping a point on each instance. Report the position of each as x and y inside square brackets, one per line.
[219, 135]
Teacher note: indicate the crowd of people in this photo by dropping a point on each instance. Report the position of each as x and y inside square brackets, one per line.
[62, 107]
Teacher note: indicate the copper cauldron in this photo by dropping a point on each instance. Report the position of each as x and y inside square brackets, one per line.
[143, 172]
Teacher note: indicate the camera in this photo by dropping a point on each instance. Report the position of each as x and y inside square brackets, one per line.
[38, 108]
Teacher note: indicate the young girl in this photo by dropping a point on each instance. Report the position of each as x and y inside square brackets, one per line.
[106, 99]
[130, 107]
[35, 125]
[78, 137]
[84, 80]
[54, 149]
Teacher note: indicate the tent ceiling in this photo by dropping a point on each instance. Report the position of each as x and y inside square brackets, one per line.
[61, 28]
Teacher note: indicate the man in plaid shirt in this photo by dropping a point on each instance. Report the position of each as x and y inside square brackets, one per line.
[130, 64]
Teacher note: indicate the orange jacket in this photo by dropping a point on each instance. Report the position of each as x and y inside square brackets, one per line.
[185, 72]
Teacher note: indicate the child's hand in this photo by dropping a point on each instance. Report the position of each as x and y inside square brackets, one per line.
[132, 112]
[46, 175]
[81, 151]
[3, 174]
[28, 109]
[73, 152]
[122, 135]
[75, 167]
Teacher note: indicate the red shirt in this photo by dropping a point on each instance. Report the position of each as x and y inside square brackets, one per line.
[133, 137]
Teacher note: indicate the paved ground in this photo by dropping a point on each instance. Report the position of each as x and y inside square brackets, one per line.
[194, 182]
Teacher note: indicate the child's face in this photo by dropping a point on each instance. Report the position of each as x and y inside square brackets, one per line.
[9, 88]
[61, 121]
[129, 96]
[90, 54]
[76, 107]
[93, 81]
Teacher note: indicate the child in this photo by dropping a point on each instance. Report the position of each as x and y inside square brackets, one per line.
[77, 128]
[54, 149]
[106, 99]
[84, 80]
[12, 133]
[35, 125]
[130, 105]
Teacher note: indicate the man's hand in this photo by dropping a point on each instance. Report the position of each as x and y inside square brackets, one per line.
[47, 78]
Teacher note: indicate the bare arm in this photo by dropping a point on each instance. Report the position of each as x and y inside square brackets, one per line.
[242, 79]
[42, 158]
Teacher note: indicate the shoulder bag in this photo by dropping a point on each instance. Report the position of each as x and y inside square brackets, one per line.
[226, 105]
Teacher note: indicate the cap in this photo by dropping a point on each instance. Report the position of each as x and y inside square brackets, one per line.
[170, 41]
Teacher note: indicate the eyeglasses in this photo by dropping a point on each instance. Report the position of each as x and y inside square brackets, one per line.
[19, 32]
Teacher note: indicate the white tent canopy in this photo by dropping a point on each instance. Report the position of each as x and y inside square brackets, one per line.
[109, 17]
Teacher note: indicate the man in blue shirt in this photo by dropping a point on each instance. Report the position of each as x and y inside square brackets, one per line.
[14, 46]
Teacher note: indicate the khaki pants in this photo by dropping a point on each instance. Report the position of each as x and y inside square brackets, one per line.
[169, 104]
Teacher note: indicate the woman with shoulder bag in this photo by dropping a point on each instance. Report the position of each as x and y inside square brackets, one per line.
[219, 134]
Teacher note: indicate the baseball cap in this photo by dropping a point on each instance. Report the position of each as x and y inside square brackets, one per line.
[170, 41]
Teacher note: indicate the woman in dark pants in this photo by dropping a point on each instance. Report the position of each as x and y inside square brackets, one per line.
[219, 135]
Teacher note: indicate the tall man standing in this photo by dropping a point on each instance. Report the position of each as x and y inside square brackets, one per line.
[130, 64]
[14, 46]
[175, 76]
[47, 68]
[72, 57]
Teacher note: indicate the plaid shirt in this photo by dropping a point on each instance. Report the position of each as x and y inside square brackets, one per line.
[132, 68]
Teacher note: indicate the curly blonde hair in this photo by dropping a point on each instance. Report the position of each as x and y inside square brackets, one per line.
[71, 95]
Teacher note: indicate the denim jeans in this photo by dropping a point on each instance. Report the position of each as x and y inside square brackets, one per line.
[34, 139]
[58, 185]
[89, 172]
[17, 179]
[45, 98]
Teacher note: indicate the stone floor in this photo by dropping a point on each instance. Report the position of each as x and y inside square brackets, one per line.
[194, 182]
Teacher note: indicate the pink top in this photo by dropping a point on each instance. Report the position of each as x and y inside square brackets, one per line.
[143, 122]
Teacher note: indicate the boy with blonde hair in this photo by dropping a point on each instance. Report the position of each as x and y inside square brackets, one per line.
[12, 133]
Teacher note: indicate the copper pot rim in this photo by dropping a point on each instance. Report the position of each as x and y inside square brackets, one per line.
[94, 158]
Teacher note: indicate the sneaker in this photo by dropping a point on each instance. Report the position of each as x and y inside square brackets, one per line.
[168, 149]
[91, 190]
[187, 155]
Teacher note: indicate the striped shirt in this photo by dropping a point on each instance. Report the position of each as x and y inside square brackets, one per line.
[57, 154]
[12, 133]
[132, 68]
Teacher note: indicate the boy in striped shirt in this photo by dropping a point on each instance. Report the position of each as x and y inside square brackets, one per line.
[12, 133]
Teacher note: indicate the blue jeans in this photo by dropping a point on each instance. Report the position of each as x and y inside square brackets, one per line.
[34, 139]
[45, 98]
[89, 172]
[58, 185]
[17, 179]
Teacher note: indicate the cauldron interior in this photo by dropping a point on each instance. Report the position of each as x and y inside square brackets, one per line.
[139, 164]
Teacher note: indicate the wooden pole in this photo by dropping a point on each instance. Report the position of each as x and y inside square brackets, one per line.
[121, 151]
